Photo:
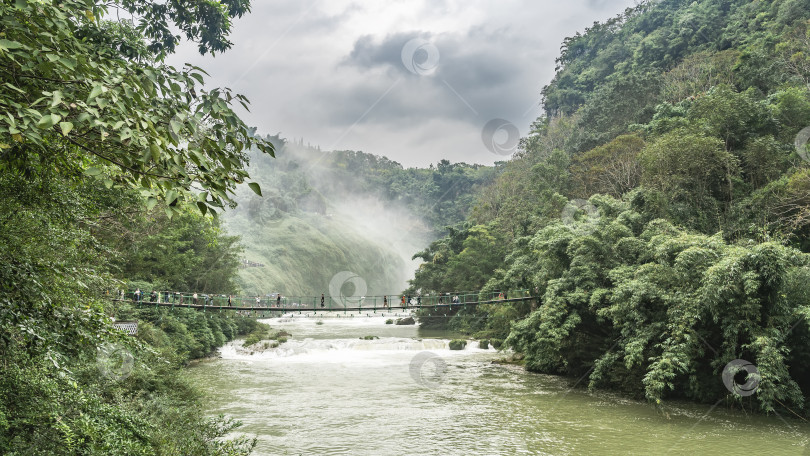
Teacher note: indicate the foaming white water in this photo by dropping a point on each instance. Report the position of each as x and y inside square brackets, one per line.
[348, 340]
[348, 319]
[342, 350]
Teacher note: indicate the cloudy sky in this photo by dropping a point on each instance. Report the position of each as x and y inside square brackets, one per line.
[415, 80]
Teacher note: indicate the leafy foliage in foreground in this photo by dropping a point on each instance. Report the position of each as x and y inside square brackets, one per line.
[54, 319]
[89, 94]
[95, 124]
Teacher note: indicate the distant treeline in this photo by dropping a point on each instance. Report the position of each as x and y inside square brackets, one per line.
[304, 178]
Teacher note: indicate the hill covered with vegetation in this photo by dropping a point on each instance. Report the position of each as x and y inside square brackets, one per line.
[658, 209]
[322, 213]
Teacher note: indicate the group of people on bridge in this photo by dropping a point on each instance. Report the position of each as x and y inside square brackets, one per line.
[276, 300]
[176, 297]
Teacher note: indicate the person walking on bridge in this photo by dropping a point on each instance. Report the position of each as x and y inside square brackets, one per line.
[278, 300]
[385, 301]
[322, 299]
[229, 300]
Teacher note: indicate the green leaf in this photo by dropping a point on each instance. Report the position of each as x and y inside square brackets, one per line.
[68, 62]
[48, 120]
[6, 45]
[151, 202]
[255, 187]
[203, 208]
[171, 195]
[57, 98]
[66, 127]
[95, 92]
[93, 171]
[155, 150]
[176, 126]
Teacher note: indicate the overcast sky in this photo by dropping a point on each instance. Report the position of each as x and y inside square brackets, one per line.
[416, 81]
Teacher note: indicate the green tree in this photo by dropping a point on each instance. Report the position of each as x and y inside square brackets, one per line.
[89, 96]
[189, 252]
[94, 122]
[611, 169]
[731, 116]
[651, 309]
[694, 175]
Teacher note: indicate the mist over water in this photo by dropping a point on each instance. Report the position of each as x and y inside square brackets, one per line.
[317, 219]
[386, 225]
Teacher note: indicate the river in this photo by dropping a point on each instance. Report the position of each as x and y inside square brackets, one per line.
[328, 392]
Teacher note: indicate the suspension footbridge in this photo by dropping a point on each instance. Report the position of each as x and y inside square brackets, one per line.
[300, 304]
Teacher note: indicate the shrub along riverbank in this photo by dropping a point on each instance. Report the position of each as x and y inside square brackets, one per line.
[130, 396]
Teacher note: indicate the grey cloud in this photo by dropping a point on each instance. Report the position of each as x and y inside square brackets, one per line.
[332, 72]
[478, 77]
[369, 52]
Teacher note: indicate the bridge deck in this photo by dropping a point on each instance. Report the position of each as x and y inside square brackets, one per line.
[328, 308]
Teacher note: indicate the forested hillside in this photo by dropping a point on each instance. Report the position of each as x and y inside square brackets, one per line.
[658, 209]
[321, 213]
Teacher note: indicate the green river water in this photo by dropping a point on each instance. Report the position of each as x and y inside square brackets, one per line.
[326, 392]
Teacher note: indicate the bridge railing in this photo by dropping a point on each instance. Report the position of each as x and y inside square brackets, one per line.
[327, 303]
